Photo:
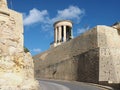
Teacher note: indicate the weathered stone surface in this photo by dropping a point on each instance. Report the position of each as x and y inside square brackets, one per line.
[3, 3]
[29, 66]
[91, 57]
[16, 67]
[30, 83]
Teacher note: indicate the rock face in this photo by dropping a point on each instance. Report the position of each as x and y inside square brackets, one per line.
[93, 57]
[16, 67]
[30, 82]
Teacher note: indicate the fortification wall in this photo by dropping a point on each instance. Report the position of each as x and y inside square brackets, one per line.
[109, 62]
[90, 57]
[61, 62]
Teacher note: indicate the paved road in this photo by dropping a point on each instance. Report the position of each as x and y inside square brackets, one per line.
[62, 85]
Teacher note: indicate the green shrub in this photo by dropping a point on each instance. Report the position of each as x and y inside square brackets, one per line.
[26, 50]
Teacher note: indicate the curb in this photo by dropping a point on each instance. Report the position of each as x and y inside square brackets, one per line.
[92, 84]
[101, 86]
[97, 85]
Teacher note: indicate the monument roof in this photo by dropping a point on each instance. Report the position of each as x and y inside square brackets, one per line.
[62, 21]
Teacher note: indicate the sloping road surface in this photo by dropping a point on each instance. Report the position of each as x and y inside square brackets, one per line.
[63, 85]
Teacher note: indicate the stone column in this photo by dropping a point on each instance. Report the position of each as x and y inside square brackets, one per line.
[55, 36]
[60, 29]
[71, 33]
[64, 35]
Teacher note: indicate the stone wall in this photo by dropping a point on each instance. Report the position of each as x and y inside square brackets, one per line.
[62, 61]
[88, 66]
[90, 57]
[109, 62]
[16, 67]
[11, 41]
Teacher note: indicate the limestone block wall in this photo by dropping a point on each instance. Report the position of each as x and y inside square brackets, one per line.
[61, 62]
[90, 57]
[88, 66]
[11, 40]
[29, 66]
[109, 62]
[109, 65]
[108, 36]
[16, 67]
[83, 67]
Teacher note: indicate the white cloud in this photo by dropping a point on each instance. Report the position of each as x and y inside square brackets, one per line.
[35, 16]
[46, 27]
[72, 13]
[37, 50]
[82, 30]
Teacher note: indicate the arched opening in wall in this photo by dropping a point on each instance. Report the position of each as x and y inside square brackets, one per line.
[68, 33]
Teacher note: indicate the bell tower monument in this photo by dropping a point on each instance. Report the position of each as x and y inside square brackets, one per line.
[62, 32]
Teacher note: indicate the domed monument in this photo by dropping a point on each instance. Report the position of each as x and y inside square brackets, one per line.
[62, 32]
[16, 66]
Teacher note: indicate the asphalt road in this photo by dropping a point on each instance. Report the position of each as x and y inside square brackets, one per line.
[63, 85]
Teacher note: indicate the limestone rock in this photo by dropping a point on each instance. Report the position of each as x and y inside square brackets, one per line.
[16, 67]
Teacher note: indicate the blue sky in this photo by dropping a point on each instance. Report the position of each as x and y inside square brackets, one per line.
[39, 16]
